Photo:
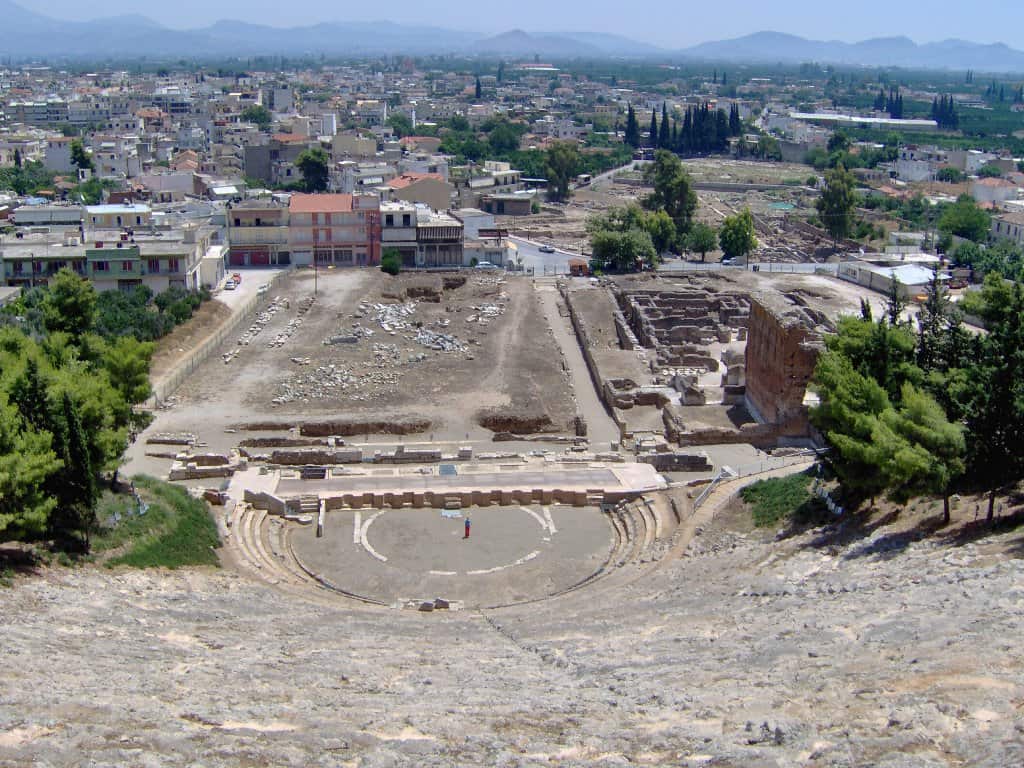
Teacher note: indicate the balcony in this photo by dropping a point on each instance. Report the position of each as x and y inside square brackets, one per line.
[262, 235]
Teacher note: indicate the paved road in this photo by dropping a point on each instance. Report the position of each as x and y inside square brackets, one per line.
[601, 429]
[556, 263]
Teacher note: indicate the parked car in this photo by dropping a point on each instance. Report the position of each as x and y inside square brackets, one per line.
[237, 277]
[486, 265]
[728, 262]
[230, 285]
[547, 249]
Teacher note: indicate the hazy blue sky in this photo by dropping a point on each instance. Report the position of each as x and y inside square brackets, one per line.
[670, 23]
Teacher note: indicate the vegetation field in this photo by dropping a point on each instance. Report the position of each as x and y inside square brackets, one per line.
[174, 531]
[778, 498]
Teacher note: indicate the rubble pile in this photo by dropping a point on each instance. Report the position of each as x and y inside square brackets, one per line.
[289, 330]
[385, 355]
[349, 337]
[329, 381]
[261, 321]
[485, 313]
[392, 317]
[442, 342]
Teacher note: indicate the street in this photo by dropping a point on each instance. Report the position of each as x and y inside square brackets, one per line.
[556, 263]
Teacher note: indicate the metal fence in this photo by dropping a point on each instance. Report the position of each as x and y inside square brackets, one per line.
[768, 464]
[166, 386]
[770, 267]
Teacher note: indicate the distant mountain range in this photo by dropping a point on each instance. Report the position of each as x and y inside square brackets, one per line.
[30, 34]
[880, 51]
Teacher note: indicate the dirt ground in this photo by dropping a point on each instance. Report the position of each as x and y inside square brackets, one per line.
[380, 362]
[180, 342]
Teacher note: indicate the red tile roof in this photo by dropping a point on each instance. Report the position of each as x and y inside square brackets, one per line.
[320, 203]
[408, 179]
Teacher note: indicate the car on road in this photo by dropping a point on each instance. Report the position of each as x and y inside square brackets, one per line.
[486, 265]
[728, 262]
[230, 285]
[547, 249]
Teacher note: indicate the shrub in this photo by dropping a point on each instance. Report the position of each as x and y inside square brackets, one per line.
[779, 498]
[391, 262]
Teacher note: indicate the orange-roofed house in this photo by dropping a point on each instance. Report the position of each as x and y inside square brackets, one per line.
[342, 230]
[428, 188]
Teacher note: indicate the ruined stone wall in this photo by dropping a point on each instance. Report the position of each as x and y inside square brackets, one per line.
[782, 350]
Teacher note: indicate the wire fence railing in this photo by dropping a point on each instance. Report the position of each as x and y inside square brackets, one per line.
[768, 464]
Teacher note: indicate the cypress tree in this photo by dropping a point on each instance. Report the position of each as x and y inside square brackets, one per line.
[654, 128]
[632, 129]
[28, 394]
[721, 130]
[75, 515]
[664, 136]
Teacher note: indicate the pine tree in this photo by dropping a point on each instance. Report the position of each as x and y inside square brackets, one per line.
[664, 135]
[654, 129]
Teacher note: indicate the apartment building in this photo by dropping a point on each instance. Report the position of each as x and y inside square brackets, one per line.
[428, 188]
[423, 238]
[1009, 226]
[258, 233]
[111, 259]
[343, 230]
[57, 155]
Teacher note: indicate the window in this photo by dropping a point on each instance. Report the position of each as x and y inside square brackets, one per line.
[153, 266]
[126, 266]
[172, 265]
[238, 222]
[406, 220]
[389, 220]
[138, 220]
[100, 266]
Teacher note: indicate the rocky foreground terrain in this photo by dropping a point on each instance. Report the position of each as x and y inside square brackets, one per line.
[746, 652]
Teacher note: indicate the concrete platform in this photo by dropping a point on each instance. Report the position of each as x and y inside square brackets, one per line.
[514, 553]
[484, 484]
